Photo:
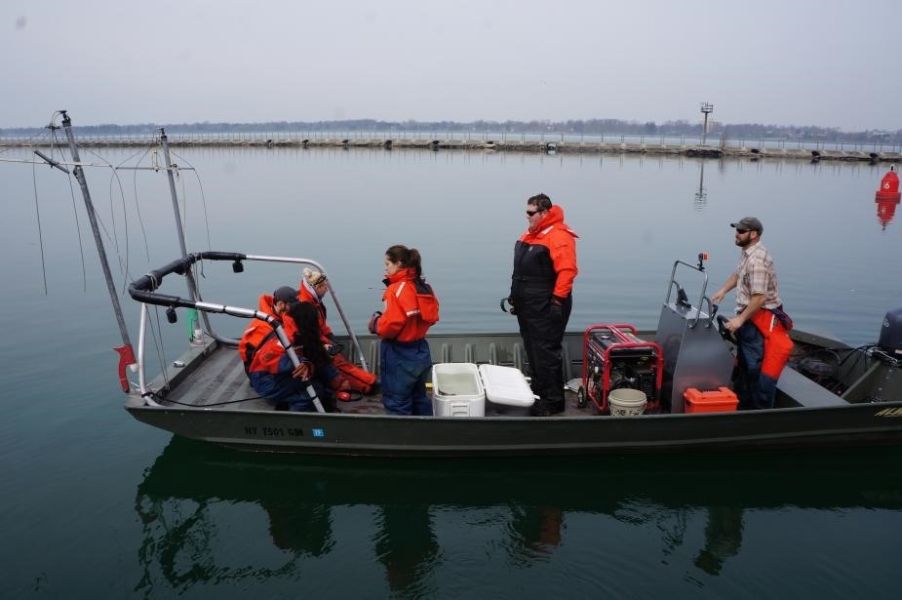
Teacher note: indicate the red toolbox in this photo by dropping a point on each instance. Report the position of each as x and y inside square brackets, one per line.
[719, 400]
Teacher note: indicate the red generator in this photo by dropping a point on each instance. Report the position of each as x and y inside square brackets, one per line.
[615, 357]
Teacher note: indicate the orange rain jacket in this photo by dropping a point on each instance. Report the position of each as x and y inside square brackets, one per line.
[411, 308]
[264, 349]
[556, 235]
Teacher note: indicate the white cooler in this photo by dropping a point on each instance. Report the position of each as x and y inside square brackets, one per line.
[507, 391]
[457, 390]
[465, 390]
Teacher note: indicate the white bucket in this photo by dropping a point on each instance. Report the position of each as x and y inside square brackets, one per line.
[627, 402]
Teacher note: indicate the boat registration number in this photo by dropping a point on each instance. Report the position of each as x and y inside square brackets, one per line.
[274, 431]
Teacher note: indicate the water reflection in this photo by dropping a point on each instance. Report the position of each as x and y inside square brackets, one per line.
[886, 210]
[723, 538]
[532, 534]
[213, 515]
[701, 196]
[405, 544]
[307, 531]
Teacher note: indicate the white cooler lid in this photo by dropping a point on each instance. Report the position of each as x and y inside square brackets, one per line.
[506, 385]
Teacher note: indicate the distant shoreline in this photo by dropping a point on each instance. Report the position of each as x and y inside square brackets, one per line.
[689, 150]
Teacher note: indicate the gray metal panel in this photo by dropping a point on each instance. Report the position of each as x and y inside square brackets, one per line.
[694, 353]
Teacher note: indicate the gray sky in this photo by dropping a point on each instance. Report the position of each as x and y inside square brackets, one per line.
[785, 62]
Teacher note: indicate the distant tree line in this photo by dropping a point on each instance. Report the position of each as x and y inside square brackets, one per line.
[716, 129]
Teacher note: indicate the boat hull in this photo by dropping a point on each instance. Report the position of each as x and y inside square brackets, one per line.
[209, 399]
[374, 435]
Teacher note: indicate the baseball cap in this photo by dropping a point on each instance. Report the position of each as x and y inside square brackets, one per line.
[749, 223]
[285, 294]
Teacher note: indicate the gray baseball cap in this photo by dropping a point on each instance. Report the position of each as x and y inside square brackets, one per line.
[285, 294]
[749, 223]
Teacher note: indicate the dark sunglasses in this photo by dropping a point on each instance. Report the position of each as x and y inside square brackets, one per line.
[741, 231]
[530, 213]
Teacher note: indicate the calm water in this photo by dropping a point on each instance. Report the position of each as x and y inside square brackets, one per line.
[97, 505]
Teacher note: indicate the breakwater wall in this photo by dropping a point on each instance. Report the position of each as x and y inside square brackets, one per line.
[697, 151]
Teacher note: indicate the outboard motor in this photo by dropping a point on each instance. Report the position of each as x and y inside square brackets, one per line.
[890, 338]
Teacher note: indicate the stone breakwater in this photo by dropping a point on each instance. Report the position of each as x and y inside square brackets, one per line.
[697, 151]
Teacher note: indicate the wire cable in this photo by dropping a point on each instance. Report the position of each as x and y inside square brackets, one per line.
[203, 197]
[37, 212]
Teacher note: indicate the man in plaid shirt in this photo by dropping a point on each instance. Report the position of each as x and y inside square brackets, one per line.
[760, 325]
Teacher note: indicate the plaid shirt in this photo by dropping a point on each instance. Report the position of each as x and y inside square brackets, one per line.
[756, 275]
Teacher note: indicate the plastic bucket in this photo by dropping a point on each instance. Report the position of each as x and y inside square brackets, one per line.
[627, 402]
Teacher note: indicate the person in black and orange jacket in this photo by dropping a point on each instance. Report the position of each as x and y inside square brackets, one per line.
[542, 297]
[314, 285]
[410, 309]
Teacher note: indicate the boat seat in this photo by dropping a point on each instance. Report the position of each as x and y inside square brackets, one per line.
[804, 392]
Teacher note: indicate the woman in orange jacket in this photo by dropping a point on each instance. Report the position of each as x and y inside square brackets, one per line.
[314, 285]
[410, 309]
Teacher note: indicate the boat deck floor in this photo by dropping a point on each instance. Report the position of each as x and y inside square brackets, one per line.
[218, 381]
[221, 383]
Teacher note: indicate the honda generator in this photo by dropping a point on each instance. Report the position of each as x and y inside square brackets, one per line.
[615, 357]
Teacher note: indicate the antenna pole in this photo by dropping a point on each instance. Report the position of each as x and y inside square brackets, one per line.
[164, 140]
[126, 352]
[192, 284]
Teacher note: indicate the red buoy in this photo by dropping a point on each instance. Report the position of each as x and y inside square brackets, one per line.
[889, 186]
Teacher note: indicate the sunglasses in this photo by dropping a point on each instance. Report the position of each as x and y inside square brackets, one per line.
[531, 213]
[741, 231]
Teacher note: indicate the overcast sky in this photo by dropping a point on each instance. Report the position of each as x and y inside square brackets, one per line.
[832, 63]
